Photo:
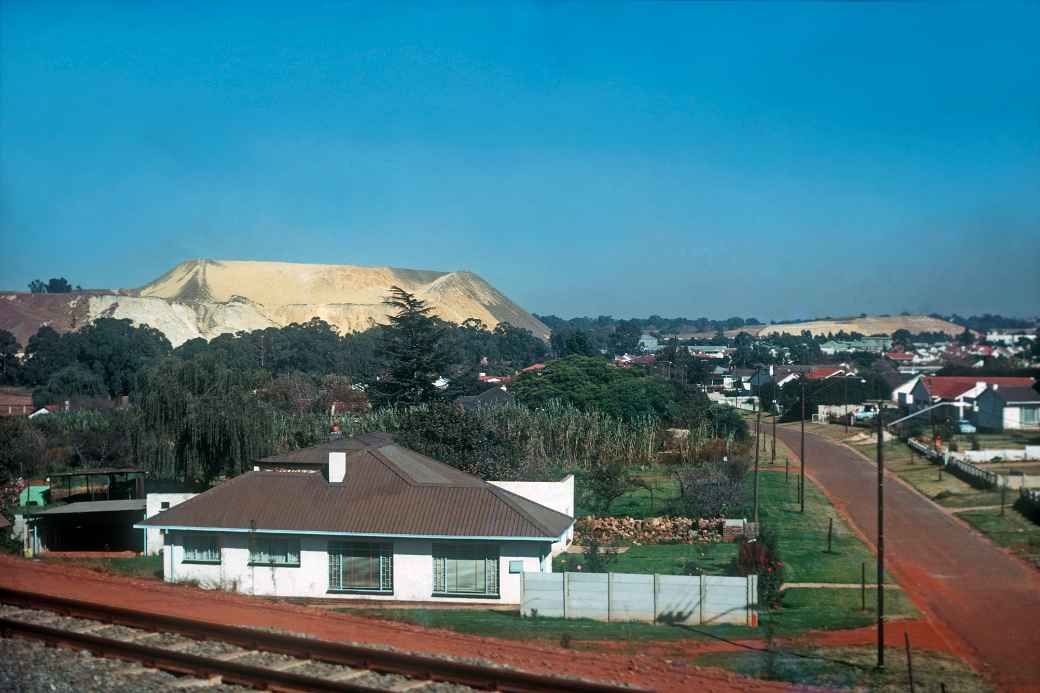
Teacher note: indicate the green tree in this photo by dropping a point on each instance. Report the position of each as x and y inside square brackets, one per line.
[414, 357]
[117, 349]
[37, 287]
[46, 353]
[58, 285]
[902, 338]
[70, 383]
[210, 414]
[9, 365]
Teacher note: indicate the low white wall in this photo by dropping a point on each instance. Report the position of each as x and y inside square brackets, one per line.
[413, 570]
[556, 495]
[153, 541]
[1030, 452]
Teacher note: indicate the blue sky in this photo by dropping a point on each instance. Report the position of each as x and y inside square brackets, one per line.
[765, 159]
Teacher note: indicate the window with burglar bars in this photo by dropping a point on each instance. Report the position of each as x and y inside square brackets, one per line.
[276, 551]
[361, 566]
[465, 570]
[201, 548]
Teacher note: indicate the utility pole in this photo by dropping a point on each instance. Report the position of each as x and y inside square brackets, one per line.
[845, 406]
[880, 539]
[758, 434]
[772, 454]
[801, 485]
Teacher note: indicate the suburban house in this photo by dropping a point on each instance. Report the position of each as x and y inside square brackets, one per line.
[649, 343]
[366, 518]
[1010, 408]
[961, 391]
[709, 351]
[16, 401]
[874, 345]
[903, 394]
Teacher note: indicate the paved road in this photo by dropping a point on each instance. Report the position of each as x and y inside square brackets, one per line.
[982, 597]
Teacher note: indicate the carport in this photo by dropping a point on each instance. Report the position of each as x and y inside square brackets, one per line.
[106, 525]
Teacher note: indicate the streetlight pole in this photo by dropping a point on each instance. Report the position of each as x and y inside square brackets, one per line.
[880, 540]
[801, 484]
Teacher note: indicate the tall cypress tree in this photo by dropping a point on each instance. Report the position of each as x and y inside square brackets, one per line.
[413, 355]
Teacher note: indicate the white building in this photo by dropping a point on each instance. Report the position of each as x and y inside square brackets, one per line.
[366, 518]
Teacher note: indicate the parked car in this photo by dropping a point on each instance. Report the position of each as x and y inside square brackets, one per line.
[868, 412]
[965, 426]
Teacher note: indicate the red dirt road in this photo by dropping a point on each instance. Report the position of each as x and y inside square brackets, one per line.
[984, 600]
[643, 670]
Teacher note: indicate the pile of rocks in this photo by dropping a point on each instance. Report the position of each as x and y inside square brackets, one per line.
[652, 530]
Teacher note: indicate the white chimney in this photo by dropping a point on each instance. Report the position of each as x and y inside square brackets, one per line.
[996, 386]
[337, 467]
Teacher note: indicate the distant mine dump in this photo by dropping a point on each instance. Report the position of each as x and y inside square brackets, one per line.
[206, 298]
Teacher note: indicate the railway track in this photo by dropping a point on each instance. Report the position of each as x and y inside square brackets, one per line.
[255, 658]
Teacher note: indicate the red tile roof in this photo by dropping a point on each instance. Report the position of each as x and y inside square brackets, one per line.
[821, 373]
[952, 387]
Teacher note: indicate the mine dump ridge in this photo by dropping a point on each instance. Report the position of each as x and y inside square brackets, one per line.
[254, 658]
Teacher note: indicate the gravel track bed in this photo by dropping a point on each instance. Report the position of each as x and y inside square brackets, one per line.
[81, 671]
[30, 667]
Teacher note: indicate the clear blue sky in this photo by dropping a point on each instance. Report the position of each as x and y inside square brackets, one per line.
[692, 159]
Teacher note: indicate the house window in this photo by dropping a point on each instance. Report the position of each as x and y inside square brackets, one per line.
[201, 548]
[465, 570]
[361, 567]
[1030, 416]
[275, 551]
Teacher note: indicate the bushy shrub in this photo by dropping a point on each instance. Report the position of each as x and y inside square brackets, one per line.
[762, 557]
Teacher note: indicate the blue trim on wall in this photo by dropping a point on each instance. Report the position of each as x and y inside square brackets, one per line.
[258, 530]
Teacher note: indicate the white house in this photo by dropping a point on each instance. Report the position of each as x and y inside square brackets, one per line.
[1010, 408]
[366, 518]
[649, 343]
[903, 394]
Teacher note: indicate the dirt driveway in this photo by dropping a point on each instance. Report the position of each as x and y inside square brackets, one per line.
[986, 601]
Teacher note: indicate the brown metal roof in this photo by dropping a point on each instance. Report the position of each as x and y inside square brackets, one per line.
[388, 490]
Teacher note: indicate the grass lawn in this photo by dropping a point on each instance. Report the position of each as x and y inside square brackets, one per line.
[511, 626]
[1013, 530]
[664, 559]
[134, 566]
[802, 538]
[852, 667]
[1008, 440]
[803, 610]
[832, 609]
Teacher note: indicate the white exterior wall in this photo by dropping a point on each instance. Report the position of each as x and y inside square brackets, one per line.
[153, 541]
[1012, 418]
[556, 495]
[413, 570]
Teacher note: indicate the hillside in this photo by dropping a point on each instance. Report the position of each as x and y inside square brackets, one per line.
[869, 325]
[205, 298]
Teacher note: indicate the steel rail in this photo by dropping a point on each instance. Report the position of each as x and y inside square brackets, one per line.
[176, 662]
[354, 656]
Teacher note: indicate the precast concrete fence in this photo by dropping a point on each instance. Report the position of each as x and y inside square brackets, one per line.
[681, 599]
